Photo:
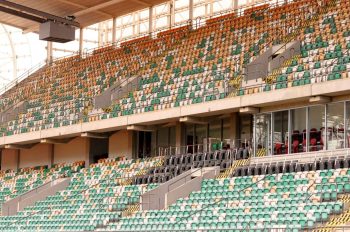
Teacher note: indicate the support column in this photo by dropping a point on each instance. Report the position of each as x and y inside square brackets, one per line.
[233, 130]
[9, 159]
[254, 136]
[171, 18]
[88, 158]
[100, 34]
[190, 11]
[49, 53]
[52, 155]
[150, 21]
[211, 7]
[81, 39]
[178, 134]
[121, 144]
[18, 154]
[114, 31]
[137, 24]
[235, 5]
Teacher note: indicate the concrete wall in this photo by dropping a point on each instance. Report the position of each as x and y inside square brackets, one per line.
[189, 185]
[9, 159]
[76, 150]
[38, 155]
[156, 198]
[120, 144]
[284, 53]
[183, 191]
[180, 186]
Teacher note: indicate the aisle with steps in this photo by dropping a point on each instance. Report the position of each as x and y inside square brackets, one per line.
[228, 172]
[338, 221]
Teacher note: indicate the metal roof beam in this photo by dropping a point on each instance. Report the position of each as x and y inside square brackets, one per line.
[97, 7]
[84, 7]
[22, 14]
[20, 9]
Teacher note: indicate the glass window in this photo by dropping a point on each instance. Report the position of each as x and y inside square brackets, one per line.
[226, 132]
[172, 139]
[280, 132]
[298, 130]
[201, 135]
[262, 134]
[347, 140]
[317, 132]
[335, 123]
[215, 129]
[245, 129]
[190, 137]
[215, 134]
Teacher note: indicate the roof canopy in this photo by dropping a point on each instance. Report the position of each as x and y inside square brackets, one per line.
[87, 12]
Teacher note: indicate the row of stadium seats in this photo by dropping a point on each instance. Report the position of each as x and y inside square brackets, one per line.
[15, 183]
[275, 167]
[198, 71]
[289, 202]
[325, 53]
[177, 164]
[95, 196]
[60, 94]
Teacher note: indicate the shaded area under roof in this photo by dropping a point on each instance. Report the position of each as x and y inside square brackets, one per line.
[87, 12]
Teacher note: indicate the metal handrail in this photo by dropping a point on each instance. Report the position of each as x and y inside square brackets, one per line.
[23, 76]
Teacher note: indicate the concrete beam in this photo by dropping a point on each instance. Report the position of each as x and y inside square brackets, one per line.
[140, 128]
[319, 99]
[249, 110]
[223, 116]
[193, 120]
[19, 146]
[94, 135]
[169, 124]
[56, 141]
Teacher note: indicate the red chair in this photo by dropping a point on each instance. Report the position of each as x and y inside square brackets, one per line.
[278, 148]
[295, 146]
[313, 139]
[295, 141]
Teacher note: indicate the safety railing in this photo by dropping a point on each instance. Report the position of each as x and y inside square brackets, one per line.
[246, 229]
[23, 76]
[174, 226]
[303, 156]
